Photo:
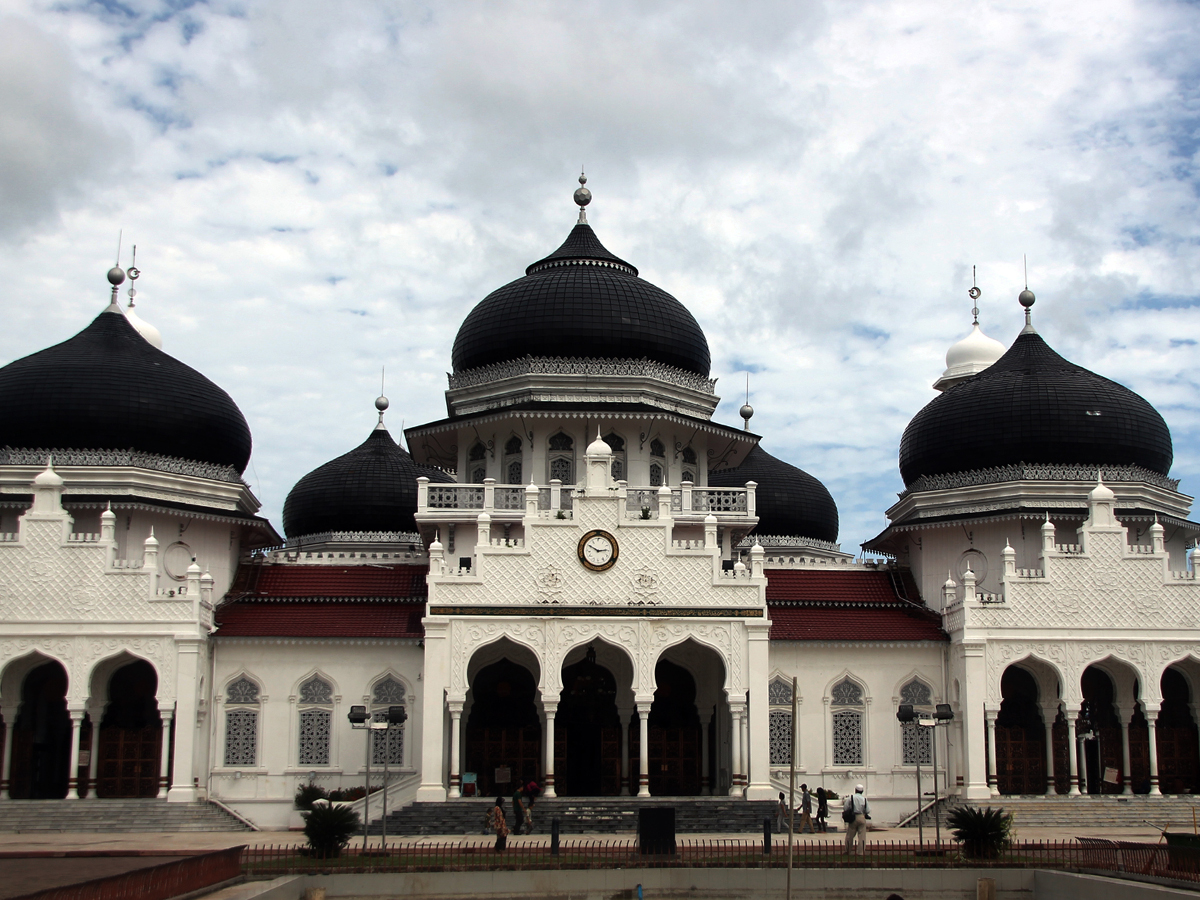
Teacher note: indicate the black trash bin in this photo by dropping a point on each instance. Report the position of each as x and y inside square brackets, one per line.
[656, 830]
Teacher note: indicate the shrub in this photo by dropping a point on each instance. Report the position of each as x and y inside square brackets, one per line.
[983, 833]
[329, 829]
[307, 793]
[645, 512]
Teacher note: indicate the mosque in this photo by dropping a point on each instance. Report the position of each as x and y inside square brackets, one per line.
[578, 576]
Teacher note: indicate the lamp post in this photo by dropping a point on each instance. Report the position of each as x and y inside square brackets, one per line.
[396, 715]
[908, 716]
[942, 715]
[360, 720]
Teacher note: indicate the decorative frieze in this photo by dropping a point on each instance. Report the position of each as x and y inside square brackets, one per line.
[557, 365]
[23, 456]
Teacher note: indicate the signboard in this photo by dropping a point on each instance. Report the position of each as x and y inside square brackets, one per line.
[1110, 775]
[503, 775]
[85, 758]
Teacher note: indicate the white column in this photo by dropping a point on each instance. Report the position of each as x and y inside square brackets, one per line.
[1151, 724]
[735, 749]
[164, 764]
[183, 789]
[73, 772]
[1048, 717]
[551, 712]
[1126, 714]
[745, 750]
[433, 708]
[643, 711]
[757, 741]
[96, 714]
[974, 727]
[1073, 751]
[456, 708]
[705, 783]
[625, 714]
[993, 786]
[10, 718]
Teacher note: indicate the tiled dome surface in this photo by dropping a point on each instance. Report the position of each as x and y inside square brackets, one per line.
[585, 303]
[789, 500]
[371, 488]
[107, 388]
[1033, 406]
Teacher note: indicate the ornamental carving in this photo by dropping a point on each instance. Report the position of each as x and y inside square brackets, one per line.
[115, 458]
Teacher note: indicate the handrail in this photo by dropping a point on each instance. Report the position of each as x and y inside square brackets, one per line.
[920, 812]
[233, 812]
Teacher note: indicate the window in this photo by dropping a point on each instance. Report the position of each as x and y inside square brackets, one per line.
[616, 443]
[689, 456]
[387, 745]
[847, 702]
[689, 459]
[779, 694]
[241, 723]
[657, 448]
[656, 475]
[512, 460]
[917, 739]
[562, 458]
[477, 462]
[316, 721]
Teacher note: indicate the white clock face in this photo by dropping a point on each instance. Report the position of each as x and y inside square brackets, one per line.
[598, 550]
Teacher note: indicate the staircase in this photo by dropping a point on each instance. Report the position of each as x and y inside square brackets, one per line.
[1086, 811]
[585, 815]
[39, 816]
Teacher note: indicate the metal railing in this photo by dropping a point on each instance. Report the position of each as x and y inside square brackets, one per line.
[172, 879]
[478, 854]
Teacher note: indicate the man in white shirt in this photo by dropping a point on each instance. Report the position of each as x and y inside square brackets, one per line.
[856, 810]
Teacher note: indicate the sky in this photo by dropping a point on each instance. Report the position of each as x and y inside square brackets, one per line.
[320, 190]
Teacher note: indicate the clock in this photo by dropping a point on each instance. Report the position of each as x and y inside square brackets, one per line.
[598, 550]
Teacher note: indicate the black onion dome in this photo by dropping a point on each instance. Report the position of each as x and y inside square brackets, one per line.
[789, 501]
[371, 488]
[585, 303]
[1033, 406]
[107, 388]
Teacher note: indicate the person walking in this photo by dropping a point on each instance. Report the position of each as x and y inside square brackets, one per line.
[781, 814]
[806, 822]
[855, 812]
[497, 823]
[518, 805]
[822, 810]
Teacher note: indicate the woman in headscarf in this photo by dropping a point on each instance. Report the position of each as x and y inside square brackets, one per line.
[497, 823]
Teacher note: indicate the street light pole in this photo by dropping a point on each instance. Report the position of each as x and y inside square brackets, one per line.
[359, 720]
[942, 715]
[907, 716]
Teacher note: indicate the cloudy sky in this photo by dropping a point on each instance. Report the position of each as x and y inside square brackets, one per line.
[319, 189]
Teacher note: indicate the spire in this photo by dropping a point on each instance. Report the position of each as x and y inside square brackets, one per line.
[747, 410]
[381, 404]
[1026, 299]
[583, 197]
[974, 293]
[144, 328]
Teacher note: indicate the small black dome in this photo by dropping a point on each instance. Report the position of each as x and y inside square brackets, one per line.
[1033, 406]
[789, 501]
[107, 388]
[581, 302]
[371, 488]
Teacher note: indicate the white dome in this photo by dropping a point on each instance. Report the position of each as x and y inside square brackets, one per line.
[598, 447]
[968, 357]
[144, 328]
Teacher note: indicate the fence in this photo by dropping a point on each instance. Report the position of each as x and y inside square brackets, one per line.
[154, 882]
[461, 856]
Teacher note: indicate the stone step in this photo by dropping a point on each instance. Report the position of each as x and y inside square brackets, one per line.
[1092, 811]
[126, 816]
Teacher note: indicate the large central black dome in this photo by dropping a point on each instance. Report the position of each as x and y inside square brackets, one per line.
[107, 388]
[582, 302]
[1033, 406]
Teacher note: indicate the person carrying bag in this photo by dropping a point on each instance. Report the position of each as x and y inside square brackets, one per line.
[855, 812]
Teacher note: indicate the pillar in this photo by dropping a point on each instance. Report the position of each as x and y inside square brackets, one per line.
[433, 708]
[1126, 714]
[551, 712]
[643, 711]
[974, 679]
[183, 789]
[1049, 714]
[73, 762]
[993, 786]
[10, 718]
[164, 764]
[1073, 751]
[624, 713]
[705, 781]
[96, 714]
[735, 749]
[746, 750]
[1151, 725]
[456, 709]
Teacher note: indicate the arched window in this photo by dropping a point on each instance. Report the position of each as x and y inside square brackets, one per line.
[656, 475]
[657, 448]
[616, 443]
[387, 745]
[241, 723]
[916, 738]
[689, 461]
[477, 462]
[562, 458]
[512, 460]
[846, 702]
[779, 697]
[316, 721]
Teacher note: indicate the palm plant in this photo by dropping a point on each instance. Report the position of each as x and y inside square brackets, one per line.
[983, 833]
[329, 829]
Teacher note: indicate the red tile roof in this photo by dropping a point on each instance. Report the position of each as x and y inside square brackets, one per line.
[288, 581]
[848, 605]
[259, 618]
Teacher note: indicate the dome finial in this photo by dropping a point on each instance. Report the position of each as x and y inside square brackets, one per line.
[144, 328]
[582, 197]
[381, 402]
[747, 410]
[974, 293]
[1027, 299]
[116, 276]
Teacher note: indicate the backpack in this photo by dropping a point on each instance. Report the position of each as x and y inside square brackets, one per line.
[848, 810]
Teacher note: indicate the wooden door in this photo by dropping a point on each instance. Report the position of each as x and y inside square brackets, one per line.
[129, 761]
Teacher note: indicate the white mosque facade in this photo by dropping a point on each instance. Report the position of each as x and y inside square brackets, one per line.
[579, 577]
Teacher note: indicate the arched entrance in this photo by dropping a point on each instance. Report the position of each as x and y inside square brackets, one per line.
[1098, 717]
[41, 736]
[587, 731]
[1178, 753]
[674, 733]
[504, 731]
[1020, 735]
[131, 734]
